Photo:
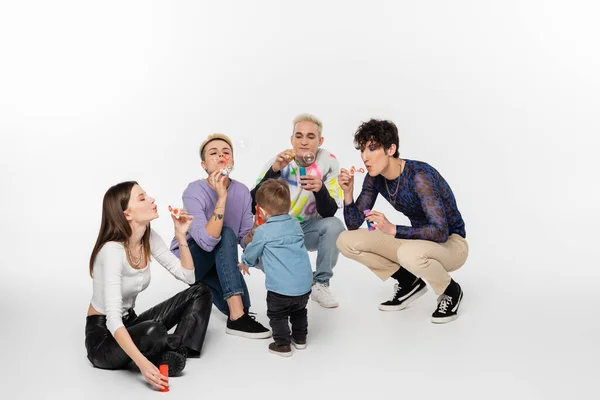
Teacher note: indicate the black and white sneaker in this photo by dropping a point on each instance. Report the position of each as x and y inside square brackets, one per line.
[247, 326]
[447, 309]
[403, 296]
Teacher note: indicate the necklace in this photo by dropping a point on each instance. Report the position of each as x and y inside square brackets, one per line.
[135, 262]
[397, 184]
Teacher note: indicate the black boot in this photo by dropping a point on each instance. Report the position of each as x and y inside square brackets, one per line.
[175, 361]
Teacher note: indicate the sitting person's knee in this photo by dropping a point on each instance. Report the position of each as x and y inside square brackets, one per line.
[200, 290]
[154, 329]
[228, 237]
[153, 336]
[333, 226]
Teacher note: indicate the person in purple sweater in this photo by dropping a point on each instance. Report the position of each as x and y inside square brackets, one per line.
[222, 220]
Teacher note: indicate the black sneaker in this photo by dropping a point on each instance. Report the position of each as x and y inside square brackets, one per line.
[175, 361]
[247, 326]
[403, 296]
[447, 309]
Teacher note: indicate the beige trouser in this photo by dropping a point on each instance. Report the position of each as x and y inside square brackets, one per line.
[384, 254]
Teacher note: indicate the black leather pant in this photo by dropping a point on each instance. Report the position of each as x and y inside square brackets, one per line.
[189, 310]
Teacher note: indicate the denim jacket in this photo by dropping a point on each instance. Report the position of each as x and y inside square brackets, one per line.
[280, 244]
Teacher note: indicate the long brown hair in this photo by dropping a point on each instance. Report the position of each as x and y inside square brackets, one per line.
[114, 226]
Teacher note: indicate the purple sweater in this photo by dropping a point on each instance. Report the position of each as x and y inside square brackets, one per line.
[199, 200]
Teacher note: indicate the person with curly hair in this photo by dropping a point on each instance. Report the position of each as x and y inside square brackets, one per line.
[435, 243]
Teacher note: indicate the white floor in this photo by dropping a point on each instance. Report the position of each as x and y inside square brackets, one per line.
[516, 338]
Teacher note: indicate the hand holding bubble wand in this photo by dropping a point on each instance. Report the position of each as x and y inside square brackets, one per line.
[228, 167]
[307, 160]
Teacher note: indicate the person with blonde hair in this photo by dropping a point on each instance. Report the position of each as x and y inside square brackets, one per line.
[222, 220]
[315, 194]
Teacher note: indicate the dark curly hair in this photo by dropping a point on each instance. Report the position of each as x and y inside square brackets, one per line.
[379, 132]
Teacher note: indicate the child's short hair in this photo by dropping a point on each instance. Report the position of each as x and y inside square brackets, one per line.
[274, 196]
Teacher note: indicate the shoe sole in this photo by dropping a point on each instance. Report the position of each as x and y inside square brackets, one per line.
[249, 335]
[444, 320]
[281, 354]
[176, 363]
[324, 305]
[299, 346]
[406, 302]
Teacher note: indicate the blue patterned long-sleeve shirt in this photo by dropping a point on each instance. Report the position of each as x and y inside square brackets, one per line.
[423, 195]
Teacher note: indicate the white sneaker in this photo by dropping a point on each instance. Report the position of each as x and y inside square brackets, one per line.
[321, 294]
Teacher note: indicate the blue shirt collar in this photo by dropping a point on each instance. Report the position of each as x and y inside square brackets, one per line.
[277, 218]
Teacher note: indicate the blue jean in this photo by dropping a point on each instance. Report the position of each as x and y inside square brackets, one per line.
[218, 269]
[321, 234]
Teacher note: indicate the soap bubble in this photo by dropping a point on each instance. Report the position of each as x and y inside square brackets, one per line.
[243, 143]
[308, 158]
[227, 170]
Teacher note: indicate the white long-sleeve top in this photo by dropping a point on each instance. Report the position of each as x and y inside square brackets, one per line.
[117, 284]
